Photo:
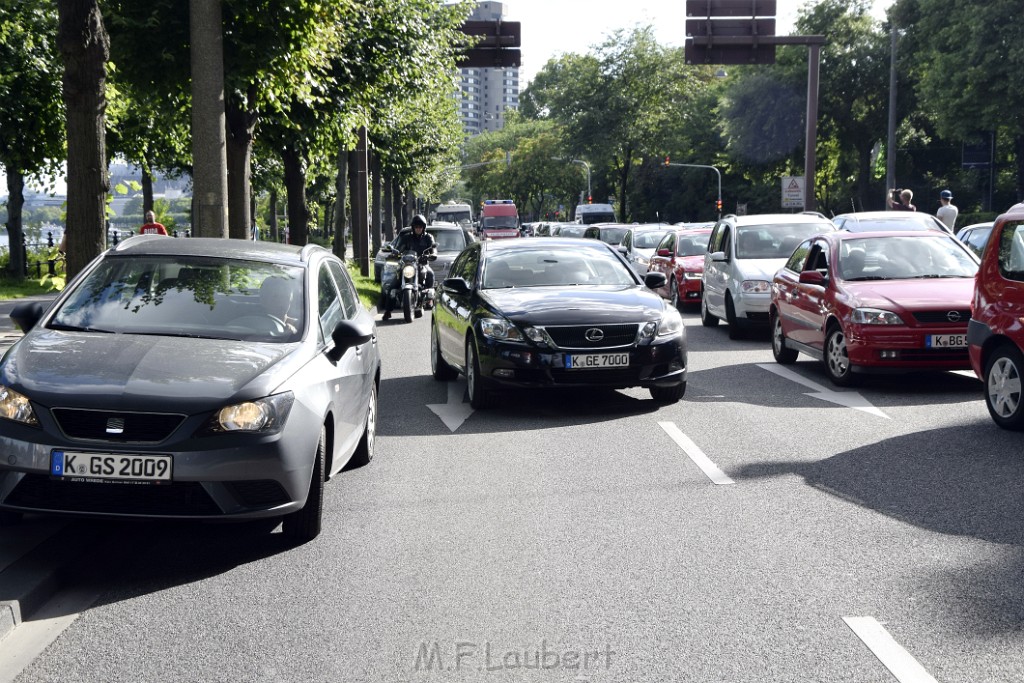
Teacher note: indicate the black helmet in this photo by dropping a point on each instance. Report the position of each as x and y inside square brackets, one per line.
[419, 220]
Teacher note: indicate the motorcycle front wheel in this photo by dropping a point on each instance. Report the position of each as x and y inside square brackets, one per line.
[407, 305]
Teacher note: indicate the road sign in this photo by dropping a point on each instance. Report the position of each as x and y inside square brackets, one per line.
[793, 192]
[729, 54]
[730, 32]
[496, 44]
[730, 8]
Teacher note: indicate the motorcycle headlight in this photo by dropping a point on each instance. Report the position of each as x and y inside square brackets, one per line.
[16, 407]
[408, 271]
[500, 329]
[266, 415]
[875, 316]
[756, 287]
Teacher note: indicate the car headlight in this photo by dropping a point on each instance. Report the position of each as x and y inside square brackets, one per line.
[692, 275]
[756, 287]
[642, 260]
[16, 407]
[266, 415]
[500, 329]
[875, 316]
[671, 323]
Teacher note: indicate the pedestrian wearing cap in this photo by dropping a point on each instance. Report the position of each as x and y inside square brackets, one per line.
[947, 213]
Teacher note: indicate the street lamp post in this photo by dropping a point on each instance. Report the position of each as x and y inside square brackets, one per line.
[586, 166]
[718, 205]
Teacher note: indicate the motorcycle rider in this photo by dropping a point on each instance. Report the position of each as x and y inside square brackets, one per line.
[416, 239]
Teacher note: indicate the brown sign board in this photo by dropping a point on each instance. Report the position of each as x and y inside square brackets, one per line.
[730, 8]
[730, 27]
[729, 54]
[485, 58]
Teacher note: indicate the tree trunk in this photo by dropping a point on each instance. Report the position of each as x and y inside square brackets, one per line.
[252, 214]
[375, 203]
[295, 184]
[389, 210]
[85, 49]
[627, 161]
[241, 123]
[396, 198]
[209, 154]
[274, 233]
[340, 220]
[147, 189]
[15, 233]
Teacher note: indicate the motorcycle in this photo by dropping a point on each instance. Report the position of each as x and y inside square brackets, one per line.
[404, 283]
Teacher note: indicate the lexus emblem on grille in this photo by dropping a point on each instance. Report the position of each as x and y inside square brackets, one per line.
[115, 425]
[953, 316]
[594, 334]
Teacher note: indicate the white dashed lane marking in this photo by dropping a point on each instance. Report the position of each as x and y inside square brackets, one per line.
[696, 454]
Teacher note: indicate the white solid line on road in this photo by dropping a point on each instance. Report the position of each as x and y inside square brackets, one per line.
[848, 399]
[696, 454]
[898, 661]
[25, 643]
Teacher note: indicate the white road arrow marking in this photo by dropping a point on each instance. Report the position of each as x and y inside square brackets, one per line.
[849, 399]
[454, 412]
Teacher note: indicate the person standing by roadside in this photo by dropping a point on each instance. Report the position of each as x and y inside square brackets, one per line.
[947, 213]
[900, 200]
[151, 227]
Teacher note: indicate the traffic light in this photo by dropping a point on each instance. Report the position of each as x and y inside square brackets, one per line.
[589, 199]
[666, 160]
[718, 205]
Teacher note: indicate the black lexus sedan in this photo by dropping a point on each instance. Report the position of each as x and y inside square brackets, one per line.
[555, 313]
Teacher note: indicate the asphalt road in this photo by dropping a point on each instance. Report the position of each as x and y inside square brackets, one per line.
[760, 530]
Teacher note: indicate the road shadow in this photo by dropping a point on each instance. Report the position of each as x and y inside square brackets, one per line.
[965, 481]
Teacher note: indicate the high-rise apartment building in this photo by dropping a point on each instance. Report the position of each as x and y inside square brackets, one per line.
[487, 93]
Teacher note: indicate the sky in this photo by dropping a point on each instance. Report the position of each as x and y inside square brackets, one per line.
[552, 27]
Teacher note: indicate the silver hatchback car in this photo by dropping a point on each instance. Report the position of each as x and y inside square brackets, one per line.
[190, 378]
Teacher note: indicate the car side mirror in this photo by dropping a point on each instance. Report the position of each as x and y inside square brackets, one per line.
[812, 277]
[665, 252]
[622, 249]
[26, 315]
[455, 285]
[348, 334]
[655, 280]
[719, 257]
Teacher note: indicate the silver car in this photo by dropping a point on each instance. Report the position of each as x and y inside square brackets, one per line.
[190, 378]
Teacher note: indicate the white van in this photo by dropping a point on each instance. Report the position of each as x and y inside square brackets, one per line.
[454, 213]
[588, 214]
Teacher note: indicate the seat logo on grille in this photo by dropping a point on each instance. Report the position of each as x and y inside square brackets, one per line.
[594, 334]
[115, 425]
[953, 316]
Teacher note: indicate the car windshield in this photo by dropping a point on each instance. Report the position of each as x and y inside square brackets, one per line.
[648, 239]
[559, 266]
[909, 222]
[188, 297]
[454, 216]
[612, 236]
[449, 240]
[500, 222]
[572, 231]
[775, 241]
[904, 258]
[692, 245]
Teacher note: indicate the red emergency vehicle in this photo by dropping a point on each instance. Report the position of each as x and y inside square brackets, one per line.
[499, 219]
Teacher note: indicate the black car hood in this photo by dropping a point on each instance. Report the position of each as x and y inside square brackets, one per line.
[575, 305]
[144, 372]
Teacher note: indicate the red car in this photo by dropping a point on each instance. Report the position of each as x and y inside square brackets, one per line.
[995, 336]
[875, 302]
[680, 256]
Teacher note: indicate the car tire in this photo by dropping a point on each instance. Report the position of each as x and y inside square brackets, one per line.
[481, 396]
[783, 355]
[837, 359]
[439, 368]
[407, 305]
[706, 318]
[1003, 372]
[668, 395]
[364, 451]
[673, 289]
[735, 330]
[304, 525]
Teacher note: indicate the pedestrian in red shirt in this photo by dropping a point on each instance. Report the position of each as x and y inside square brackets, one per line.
[152, 227]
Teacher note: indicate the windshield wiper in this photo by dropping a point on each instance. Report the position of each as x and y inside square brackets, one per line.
[865, 278]
[75, 328]
[185, 335]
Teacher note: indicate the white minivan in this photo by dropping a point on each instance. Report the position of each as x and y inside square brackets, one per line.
[588, 214]
[744, 253]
